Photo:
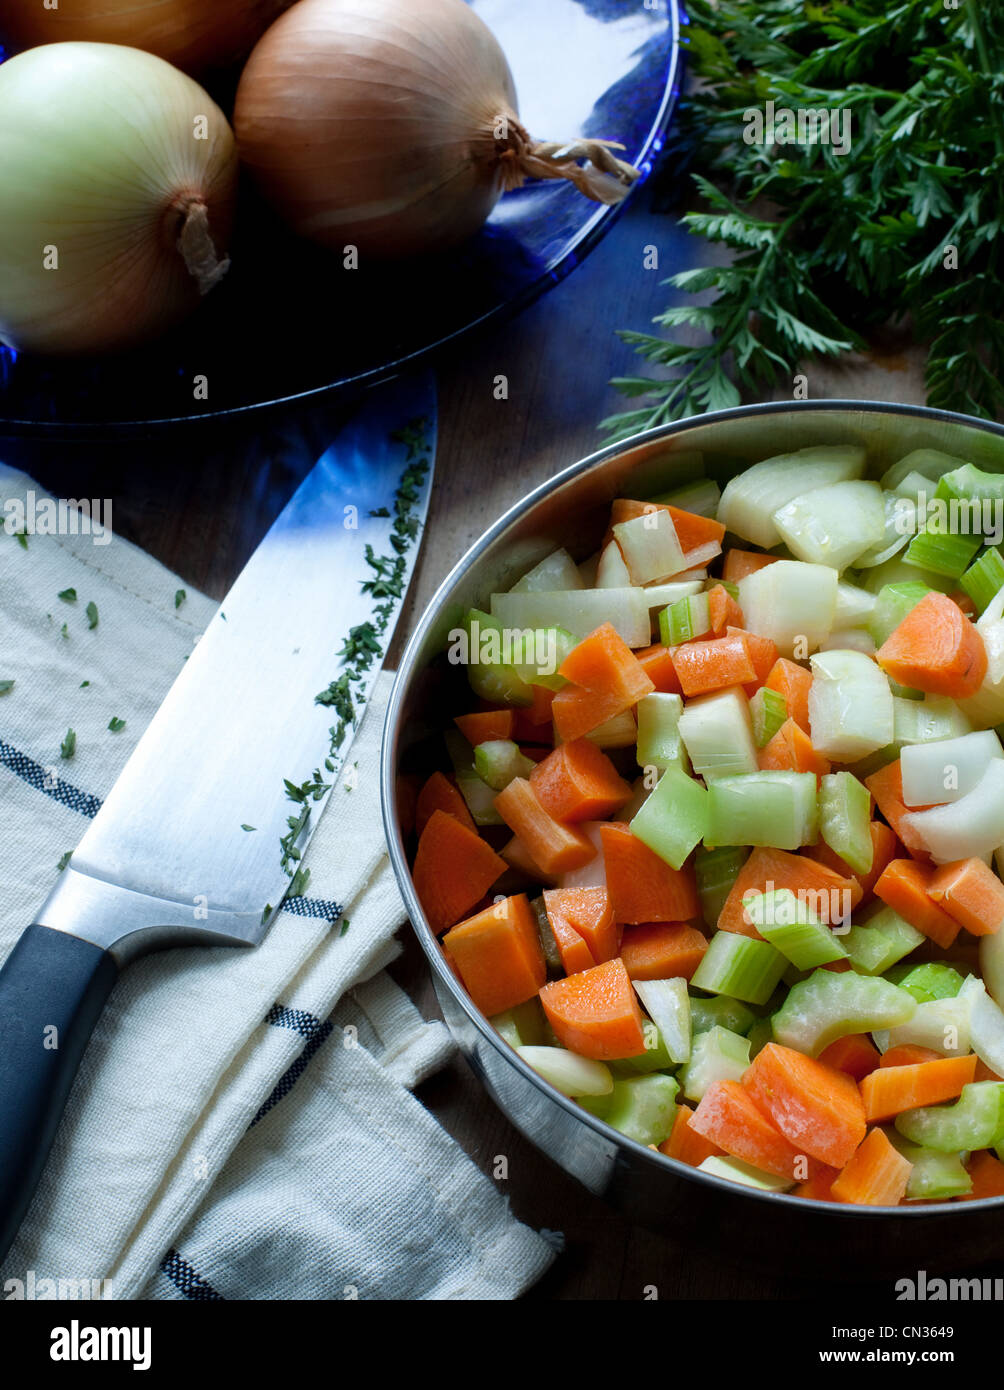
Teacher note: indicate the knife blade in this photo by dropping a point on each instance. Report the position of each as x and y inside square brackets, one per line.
[253, 733]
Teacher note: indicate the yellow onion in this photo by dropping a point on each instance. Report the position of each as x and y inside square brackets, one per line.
[117, 181]
[192, 34]
[392, 125]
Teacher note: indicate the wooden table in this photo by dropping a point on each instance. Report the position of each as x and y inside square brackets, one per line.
[202, 515]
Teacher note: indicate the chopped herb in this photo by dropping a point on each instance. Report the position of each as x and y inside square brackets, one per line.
[379, 511]
[249, 827]
[69, 745]
[298, 886]
[345, 926]
[67, 595]
[92, 616]
[6, 687]
[116, 725]
[179, 597]
[84, 685]
[64, 860]
[22, 539]
[223, 615]
[266, 913]
[64, 631]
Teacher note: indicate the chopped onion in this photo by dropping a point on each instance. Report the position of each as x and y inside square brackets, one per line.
[850, 706]
[752, 497]
[833, 525]
[973, 825]
[790, 602]
[946, 770]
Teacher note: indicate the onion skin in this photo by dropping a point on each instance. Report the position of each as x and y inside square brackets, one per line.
[98, 158]
[194, 35]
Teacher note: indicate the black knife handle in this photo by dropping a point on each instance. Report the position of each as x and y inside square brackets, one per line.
[53, 986]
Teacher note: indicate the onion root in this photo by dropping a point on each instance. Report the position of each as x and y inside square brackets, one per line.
[603, 177]
[196, 246]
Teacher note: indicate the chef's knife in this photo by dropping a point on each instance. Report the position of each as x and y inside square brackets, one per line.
[169, 860]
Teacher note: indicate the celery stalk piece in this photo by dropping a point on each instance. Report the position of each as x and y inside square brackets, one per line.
[717, 732]
[930, 980]
[992, 963]
[793, 928]
[792, 603]
[578, 611]
[828, 1006]
[752, 497]
[641, 1107]
[768, 711]
[967, 483]
[833, 525]
[930, 720]
[612, 572]
[984, 577]
[667, 1004]
[556, 571]
[773, 809]
[488, 654]
[760, 1035]
[700, 497]
[932, 464]
[974, 1121]
[619, 732]
[674, 818]
[892, 604]
[942, 1025]
[498, 761]
[531, 1022]
[942, 551]
[897, 571]
[684, 620]
[899, 515]
[913, 486]
[973, 825]
[721, 1011]
[935, 1176]
[879, 943]
[716, 870]
[845, 819]
[659, 742]
[716, 1055]
[480, 797]
[850, 706]
[986, 1024]
[660, 596]
[739, 966]
[854, 606]
[568, 1072]
[505, 1025]
[947, 770]
[544, 649]
[655, 1057]
[650, 546]
[736, 1170]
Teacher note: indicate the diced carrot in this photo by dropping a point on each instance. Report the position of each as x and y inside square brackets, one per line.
[972, 894]
[762, 653]
[739, 563]
[855, 1054]
[962, 600]
[886, 786]
[712, 665]
[984, 1073]
[829, 896]
[694, 531]
[903, 886]
[876, 1176]
[817, 1108]
[643, 887]
[884, 846]
[662, 950]
[987, 1173]
[819, 1188]
[406, 800]
[729, 1117]
[518, 857]
[498, 954]
[441, 793]
[587, 911]
[453, 870]
[936, 649]
[888, 1091]
[596, 1013]
[627, 509]
[791, 750]
[723, 611]
[532, 723]
[657, 663]
[794, 682]
[685, 1144]
[575, 954]
[908, 1054]
[606, 679]
[577, 781]
[486, 726]
[554, 846]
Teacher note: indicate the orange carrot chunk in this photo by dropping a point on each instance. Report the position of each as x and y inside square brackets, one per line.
[575, 954]
[739, 563]
[884, 846]
[685, 1144]
[826, 893]
[971, 893]
[712, 665]
[453, 870]
[723, 611]
[906, 1054]
[532, 723]
[557, 848]
[662, 950]
[596, 1013]
[886, 786]
[643, 887]
[876, 1176]
[729, 1117]
[792, 681]
[903, 886]
[606, 679]
[854, 1054]
[440, 793]
[888, 1091]
[498, 955]
[579, 782]
[657, 663]
[936, 649]
[987, 1173]
[588, 912]
[816, 1107]
[791, 750]
[762, 653]
[486, 725]
[819, 1188]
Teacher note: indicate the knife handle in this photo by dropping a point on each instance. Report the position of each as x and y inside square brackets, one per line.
[53, 986]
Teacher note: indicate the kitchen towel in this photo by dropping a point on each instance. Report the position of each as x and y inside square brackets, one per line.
[248, 1110]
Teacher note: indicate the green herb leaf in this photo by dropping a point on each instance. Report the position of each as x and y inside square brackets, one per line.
[67, 595]
[179, 597]
[92, 616]
[116, 725]
[6, 687]
[64, 859]
[345, 926]
[69, 745]
[249, 827]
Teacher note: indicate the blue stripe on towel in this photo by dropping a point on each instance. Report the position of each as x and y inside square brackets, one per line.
[184, 1277]
[296, 1069]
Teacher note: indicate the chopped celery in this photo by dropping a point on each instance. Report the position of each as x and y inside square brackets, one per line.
[578, 611]
[828, 1006]
[612, 572]
[490, 661]
[667, 1004]
[717, 1055]
[942, 551]
[833, 525]
[880, 942]
[480, 797]
[793, 928]
[556, 571]
[974, 1121]
[674, 818]
[892, 604]
[760, 1035]
[790, 602]
[935, 1176]
[659, 742]
[947, 769]
[967, 483]
[984, 578]
[845, 819]
[545, 648]
[717, 731]
[641, 1107]
[700, 497]
[650, 546]
[655, 1057]
[505, 1025]
[986, 1024]
[739, 966]
[684, 620]
[752, 497]
[660, 596]
[942, 1025]
[774, 809]
[850, 706]
[897, 571]
[932, 980]
[930, 463]
[973, 825]
[619, 732]
[899, 518]
[854, 606]
[928, 720]
[736, 1170]
[722, 1011]
[913, 486]
[768, 711]
[567, 1071]
[525, 1025]
[499, 760]
[731, 589]
[716, 871]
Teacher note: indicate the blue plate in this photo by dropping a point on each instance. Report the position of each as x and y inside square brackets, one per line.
[289, 324]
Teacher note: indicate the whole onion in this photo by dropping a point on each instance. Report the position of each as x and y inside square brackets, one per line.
[192, 34]
[392, 125]
[117, 181]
